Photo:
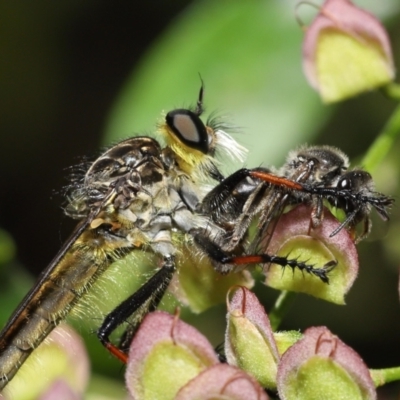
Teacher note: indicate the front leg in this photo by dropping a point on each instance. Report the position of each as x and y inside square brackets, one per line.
[226, 263]
[140, 303]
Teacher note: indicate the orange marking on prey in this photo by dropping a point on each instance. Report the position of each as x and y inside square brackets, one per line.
[276, 180]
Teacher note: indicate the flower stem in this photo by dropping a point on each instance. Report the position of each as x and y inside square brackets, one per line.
[382, 144]
[280, 308]
[392, 90]
[385, 375]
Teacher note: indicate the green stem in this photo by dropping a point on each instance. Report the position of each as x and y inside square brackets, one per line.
[382, 144]
[392, 90]
[280, 308]
[385, 375]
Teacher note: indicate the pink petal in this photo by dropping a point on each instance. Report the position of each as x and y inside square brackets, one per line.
[222, 381]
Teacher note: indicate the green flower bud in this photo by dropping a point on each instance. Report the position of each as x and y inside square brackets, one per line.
[165, 354]
[293, 238]
[249, 341]
[321, 366]
[200, 286]
[346, 51]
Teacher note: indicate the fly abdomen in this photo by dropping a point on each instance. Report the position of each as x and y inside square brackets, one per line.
[53, 298]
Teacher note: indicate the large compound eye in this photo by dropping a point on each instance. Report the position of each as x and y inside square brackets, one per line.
[189, 129]
[356, 179]
[344, 183]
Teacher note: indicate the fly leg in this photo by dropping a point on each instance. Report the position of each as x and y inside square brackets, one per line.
[223, 194]
[139, 304]
[215, 252]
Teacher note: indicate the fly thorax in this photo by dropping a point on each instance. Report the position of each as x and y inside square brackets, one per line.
[117, 176]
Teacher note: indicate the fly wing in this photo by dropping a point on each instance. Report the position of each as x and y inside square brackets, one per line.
[274, 204]
[60, 286]
[16, 317]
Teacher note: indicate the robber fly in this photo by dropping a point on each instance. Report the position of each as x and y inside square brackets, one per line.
[310, 175]
[137, 196]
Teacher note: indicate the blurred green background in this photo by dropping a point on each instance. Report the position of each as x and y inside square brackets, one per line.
[77, 75]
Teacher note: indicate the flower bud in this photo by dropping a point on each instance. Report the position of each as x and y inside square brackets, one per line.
[58, 368]
[293, 238]
[249, 341]
[199, 285]
[165, 354]
[346, 51]
[321, 366]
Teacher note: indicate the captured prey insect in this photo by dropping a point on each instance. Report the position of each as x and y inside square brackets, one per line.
[137, 196]
[310, 175]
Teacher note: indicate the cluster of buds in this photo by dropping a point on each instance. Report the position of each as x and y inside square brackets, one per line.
[169, 359]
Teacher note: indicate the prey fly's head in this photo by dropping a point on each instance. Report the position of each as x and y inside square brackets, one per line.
[354, 193]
